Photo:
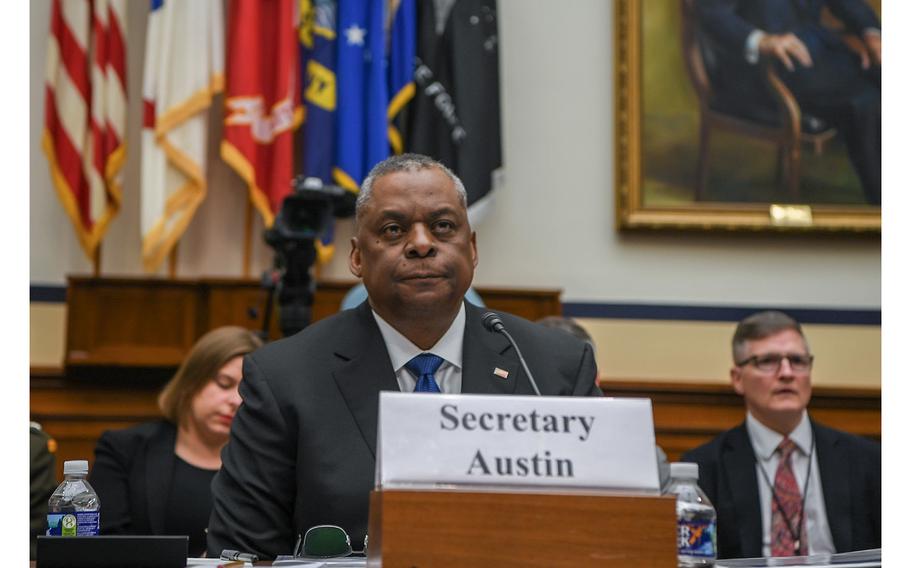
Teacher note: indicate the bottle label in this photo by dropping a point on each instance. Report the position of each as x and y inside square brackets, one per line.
[80, 523]
[697, 537]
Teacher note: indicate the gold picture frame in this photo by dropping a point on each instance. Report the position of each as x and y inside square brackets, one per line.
[632, 210]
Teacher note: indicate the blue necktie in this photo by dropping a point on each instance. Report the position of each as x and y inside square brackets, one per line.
[424, 366]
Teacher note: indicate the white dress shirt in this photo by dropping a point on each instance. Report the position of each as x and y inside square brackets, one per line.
[449, 347]
[765, 441]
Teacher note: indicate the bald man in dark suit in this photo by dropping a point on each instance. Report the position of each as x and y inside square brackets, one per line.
[303, 444]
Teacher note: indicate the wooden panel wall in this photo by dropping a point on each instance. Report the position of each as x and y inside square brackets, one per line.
[75, 414]
[116, 365]
[126, 336]
[153, 322]
[685, 415]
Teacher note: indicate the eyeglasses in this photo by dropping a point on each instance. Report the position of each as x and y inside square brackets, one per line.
[326, 541]
[771, 362]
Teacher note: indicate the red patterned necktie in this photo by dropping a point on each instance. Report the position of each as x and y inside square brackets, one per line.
[786, 510]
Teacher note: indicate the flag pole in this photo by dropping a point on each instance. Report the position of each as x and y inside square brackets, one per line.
[172, 261]
[248, 239]
[96, 261]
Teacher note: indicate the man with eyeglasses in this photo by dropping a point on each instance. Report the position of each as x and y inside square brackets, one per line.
[783, 484]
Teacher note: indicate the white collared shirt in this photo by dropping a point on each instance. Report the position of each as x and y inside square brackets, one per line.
[449, 347]
[765, 441]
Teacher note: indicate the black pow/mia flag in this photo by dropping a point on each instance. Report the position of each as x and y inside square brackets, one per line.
[454, 116]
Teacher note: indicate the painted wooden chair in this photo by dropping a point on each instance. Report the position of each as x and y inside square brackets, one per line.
[785, 125]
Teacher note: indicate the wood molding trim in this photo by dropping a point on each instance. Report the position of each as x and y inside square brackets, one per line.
[76, 412]
[687, 415]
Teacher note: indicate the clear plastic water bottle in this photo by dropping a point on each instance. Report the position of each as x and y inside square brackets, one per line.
[696, 520]
[74, 508]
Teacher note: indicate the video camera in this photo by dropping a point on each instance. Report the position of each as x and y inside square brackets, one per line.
[304, 215]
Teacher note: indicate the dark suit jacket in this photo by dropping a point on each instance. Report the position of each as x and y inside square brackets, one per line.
[731, 21]
[835, 70]
[132, 476]
[850, 470]
[303, 443]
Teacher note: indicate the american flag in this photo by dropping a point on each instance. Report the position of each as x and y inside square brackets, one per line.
[85, 112]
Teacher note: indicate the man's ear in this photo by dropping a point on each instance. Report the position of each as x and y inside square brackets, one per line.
[354, 259]
[736, 379]
[474, 248]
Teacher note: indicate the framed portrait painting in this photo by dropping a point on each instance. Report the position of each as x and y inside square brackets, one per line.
[712, 134]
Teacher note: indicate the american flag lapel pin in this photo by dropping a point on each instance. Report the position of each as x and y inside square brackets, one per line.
[501, 373]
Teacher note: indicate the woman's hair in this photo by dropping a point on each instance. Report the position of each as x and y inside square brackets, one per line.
[205, 359]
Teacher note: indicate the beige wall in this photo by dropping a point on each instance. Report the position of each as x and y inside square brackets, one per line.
[669, 351]
[47, 332]
[552, 224]
[685, 351]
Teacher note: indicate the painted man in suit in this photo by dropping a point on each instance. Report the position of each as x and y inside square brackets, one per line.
[782, 483]
[303, 444]
[832, 79]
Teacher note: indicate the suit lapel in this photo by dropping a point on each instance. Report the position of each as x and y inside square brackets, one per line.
[832, 464]
[159, 471]
[739, 466]
[364, 371]
[484, 358]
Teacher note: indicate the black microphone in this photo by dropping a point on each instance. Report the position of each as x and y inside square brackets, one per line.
[493, 322]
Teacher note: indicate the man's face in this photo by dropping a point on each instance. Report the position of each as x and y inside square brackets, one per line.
[414, 248]
[773, 394]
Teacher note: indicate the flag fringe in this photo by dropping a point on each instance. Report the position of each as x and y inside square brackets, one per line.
[88, 238]
[235, 158]
[112, 167]
[195, 103]
[401, 98]
[324, 252]
[156, 244]
[345, 180]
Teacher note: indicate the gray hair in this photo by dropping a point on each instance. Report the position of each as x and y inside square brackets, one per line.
[761, 325]
[404, 163]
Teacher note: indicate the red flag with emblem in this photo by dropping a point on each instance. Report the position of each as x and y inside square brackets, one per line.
[262, 100]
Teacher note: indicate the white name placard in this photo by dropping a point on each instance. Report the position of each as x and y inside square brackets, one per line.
[432, 439]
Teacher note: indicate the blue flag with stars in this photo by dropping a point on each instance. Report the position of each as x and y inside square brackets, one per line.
[357, 63]
[363, 97]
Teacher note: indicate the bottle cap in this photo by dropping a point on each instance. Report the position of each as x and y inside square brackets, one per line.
[75, 467]
[682, 470]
